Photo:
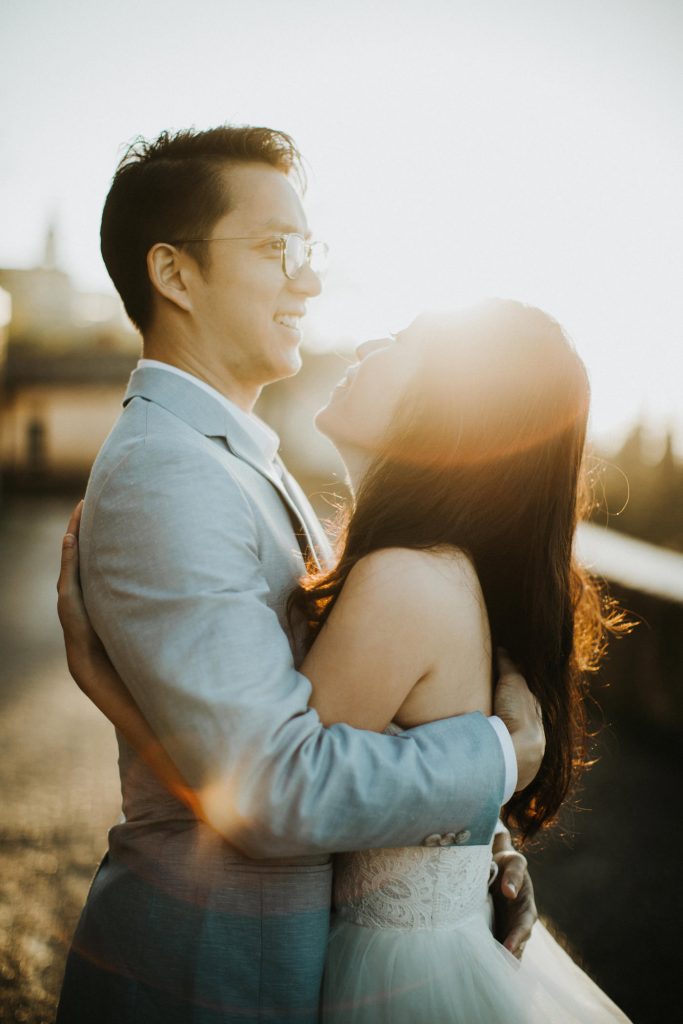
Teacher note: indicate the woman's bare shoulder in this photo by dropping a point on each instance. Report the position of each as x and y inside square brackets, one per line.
[418, 583]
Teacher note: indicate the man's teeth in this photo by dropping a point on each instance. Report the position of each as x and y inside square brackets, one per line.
[289, 321]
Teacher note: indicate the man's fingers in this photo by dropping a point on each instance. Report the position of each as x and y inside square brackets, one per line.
[512, 878]
[512, 867]
[517, 940]
[513, 895]
[506, 667]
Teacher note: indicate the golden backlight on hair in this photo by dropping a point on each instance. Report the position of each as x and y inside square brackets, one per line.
[495, 381]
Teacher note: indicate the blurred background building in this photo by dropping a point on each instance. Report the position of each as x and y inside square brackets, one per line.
[64, 356]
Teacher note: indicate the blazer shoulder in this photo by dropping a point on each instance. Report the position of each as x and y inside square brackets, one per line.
[153, 453]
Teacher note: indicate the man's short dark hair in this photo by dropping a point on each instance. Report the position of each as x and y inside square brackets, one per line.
[174, 188]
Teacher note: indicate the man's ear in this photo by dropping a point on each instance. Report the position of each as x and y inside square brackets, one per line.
[168, 271]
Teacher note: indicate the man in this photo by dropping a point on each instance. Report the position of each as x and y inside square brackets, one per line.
[193, 535]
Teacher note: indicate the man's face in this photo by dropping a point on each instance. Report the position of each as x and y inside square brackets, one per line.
[248, 313]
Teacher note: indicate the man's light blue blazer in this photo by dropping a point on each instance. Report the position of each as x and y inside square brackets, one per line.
[188, 554]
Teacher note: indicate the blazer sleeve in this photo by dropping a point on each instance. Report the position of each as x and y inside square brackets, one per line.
[175, 587]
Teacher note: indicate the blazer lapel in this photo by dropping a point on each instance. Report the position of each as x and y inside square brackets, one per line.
[320, 545]
[200, 410]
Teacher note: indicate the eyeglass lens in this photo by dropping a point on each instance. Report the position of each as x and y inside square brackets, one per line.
[298, 252]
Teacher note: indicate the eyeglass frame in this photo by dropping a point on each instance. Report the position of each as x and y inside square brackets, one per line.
[308, 246]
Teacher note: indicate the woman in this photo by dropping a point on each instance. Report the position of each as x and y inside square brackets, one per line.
[464, 439]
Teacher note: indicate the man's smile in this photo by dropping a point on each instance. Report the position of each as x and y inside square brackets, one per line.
[292, 321]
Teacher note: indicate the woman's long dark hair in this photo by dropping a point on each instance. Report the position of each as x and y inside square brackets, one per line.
[485, 454]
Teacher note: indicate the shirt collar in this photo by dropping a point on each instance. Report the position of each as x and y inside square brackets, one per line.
[261, 434]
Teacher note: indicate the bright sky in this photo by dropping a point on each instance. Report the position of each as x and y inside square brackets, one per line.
[525, 148]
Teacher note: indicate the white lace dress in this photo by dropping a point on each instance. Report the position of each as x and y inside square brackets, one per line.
[411, 943]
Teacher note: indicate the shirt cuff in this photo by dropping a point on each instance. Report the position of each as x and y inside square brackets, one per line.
[508, 754]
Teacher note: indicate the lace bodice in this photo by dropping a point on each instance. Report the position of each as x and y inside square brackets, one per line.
[412, 887]
[416, 887]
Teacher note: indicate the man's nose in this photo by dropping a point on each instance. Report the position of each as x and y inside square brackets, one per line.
[307, 282]
[366, 347]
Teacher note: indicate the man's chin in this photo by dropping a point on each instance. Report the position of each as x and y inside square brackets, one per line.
[290, 365]
[283, 369]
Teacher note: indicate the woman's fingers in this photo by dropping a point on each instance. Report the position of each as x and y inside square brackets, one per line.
[68, 572]
[75, 519]
[67, 584]
[70, 607]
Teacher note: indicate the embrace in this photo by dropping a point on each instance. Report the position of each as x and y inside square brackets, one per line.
[320, 754]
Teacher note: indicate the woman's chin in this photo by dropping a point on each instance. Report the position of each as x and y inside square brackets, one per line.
[324, 422]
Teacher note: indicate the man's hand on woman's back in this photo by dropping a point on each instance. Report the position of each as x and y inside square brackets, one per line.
[520, 711]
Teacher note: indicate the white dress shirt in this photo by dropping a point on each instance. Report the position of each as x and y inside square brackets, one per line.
[269, 443]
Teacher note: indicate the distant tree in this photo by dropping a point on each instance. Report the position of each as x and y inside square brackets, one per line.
[637, 496]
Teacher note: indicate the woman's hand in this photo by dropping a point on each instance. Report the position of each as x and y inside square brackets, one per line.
[85, 654]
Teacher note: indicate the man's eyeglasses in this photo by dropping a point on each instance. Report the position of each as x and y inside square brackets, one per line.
[296, 251]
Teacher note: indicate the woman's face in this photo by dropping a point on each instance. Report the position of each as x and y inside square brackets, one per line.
[361, 407]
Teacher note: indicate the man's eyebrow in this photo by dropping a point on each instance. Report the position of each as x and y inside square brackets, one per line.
[282, 228]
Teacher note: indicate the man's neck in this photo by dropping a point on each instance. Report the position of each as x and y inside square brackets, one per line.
[243, 395]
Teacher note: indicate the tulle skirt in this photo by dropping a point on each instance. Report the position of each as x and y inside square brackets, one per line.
[455, 976]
